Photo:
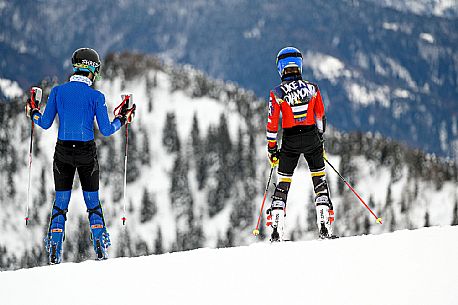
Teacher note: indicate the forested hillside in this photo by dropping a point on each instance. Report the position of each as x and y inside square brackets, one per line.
[197, 168]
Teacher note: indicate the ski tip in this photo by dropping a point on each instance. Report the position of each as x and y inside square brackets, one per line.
[379, 220]
[255, 232]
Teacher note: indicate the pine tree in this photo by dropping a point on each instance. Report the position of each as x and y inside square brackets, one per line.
[83, 244]
[393, 222]
[180, 192]
[241, 215]
[227, 241]
[455, 213]
[347, 169]
[367, 224]
[182, 203]
[427, 222]
[141, 248]
[389, 210]
[225, 170]
[42, 197]
[262, 226]
[125, 245]
[145, 154]
[403, 202]
[298, 230]
[170, 138]
[149, 86]
[11, 168]
[389, 199]
[196, 234]
[134, 160]
[109, 161]
[198, 153]
[69, 253]
[158, 248]
[148, 207]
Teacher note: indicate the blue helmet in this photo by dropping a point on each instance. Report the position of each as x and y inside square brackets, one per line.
[289, 57]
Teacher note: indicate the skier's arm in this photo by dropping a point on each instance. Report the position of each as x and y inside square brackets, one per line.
[319, 112]
[46, 119]
[101, 113]
[272, 121]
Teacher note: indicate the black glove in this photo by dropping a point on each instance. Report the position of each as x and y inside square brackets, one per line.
[30, 109]
[125, 115]
[321, 126]
[274, 155]
[321, 136]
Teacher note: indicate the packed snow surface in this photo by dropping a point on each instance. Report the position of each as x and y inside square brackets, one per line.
[404, 267]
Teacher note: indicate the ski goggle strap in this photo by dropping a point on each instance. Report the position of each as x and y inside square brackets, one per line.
[83, 67]
[289, 54]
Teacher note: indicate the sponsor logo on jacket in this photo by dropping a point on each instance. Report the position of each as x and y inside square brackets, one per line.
[297, 92]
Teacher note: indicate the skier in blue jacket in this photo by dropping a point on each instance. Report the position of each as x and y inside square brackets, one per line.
[76, 103]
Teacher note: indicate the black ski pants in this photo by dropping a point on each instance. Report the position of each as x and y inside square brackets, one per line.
[70, 156]
[296, 141]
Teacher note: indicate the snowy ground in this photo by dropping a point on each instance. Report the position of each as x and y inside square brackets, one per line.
[405, 267]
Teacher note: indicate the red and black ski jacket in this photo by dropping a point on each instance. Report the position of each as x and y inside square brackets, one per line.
[299, 102]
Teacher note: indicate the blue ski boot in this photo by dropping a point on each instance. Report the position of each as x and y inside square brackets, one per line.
[100, 236]
[56, 231]
[54, 242]
[101, 241]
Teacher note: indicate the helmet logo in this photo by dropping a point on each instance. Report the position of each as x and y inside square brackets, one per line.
[89, 63]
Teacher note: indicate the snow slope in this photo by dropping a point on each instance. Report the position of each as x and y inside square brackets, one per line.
[404, 267]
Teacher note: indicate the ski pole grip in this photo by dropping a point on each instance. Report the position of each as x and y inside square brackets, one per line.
[36, 95]
[129, 100]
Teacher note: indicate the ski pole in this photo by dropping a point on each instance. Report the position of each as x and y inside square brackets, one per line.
[377, 219]
[127, 101]
[125, 177]
[30, 172]
[35, 99]
[256, 231]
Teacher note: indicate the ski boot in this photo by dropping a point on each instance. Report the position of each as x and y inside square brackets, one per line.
[101, 241]
[325, 217]
[276, 219]
[54, 241]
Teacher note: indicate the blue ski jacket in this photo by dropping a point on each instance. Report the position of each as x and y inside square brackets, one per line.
[76, 104]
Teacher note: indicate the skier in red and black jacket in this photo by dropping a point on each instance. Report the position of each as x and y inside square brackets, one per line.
[303, 123]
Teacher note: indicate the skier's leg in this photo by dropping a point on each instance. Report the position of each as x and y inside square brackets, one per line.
[63, 180]
[100, 236]
[56, 232]
[324, 208]
[88, 171]
[277, 212]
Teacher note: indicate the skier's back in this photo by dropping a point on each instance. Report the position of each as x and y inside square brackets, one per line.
[76, 104]
[303, 123]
